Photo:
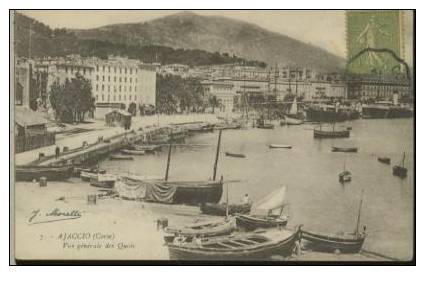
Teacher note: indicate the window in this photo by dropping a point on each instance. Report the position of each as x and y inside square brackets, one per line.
[115, 79]
[130, 88]
[135, 88]
[120, 90]
[109, 88]
[109, 98]
[103, 87]
[97, 97]
[103, 97]
[120, 70]
[97, 69]
[119, 97]
[129, 98]
[120, 79]
[131, 72]
[103, 77]
[84, 71]
[109, 69]
[125, 88]
[109, 79]
[115, 97]
[125, 70]
[97, 77]
[115, 70]
[125, 97]
[97, 87]
[125, 79]
[66, 69]
[131, 79]
[103, 68]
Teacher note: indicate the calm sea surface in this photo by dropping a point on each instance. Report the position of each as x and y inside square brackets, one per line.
[309, 170]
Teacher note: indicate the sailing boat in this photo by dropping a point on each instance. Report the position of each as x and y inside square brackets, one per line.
[175, 192]
[266, 213]
[344, 242]
[400, 170]
[293, 117]
[344, 176]
[330, 134]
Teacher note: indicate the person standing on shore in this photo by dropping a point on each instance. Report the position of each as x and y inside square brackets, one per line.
[57, 152]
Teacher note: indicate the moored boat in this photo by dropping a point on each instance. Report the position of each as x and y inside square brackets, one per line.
[399, 170]
[273, 145]
[86, 176]
[266, 213]
[344, 176]
[120, 157]
[132, 152]
[223, 209]
[259, 245]
[344, 149]
[78, 170]
[344, 242]
[103, 180]
[51, 173]
[204, 229]
[294, 117]
[385, 160]
[232, 154]
[331, 134]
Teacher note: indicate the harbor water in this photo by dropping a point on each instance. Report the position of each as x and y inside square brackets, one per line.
[310, 172]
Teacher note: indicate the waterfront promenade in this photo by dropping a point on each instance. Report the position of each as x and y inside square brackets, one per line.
[99, 129]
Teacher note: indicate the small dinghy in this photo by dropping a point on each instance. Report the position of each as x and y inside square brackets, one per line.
[385, 160]
[238, 155]
[120, 157]
[132, 152]
[280, 146]
[344, 176]
[399, 170]
[344, 149]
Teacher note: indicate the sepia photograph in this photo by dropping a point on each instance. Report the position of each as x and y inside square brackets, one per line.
[275, 137]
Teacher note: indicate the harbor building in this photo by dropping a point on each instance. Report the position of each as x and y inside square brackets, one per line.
[224, 91]
[373, 87]
[23, 81]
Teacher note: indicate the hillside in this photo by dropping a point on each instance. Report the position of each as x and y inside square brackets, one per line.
[217, 34]
[59, 42]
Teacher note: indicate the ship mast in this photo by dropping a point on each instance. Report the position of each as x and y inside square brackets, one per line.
[216, 155]
[358, 216]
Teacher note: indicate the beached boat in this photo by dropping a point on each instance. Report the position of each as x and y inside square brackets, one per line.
[120, 157]
[321, 134]
[344, 149]
[239, 155]
[132, 152]
[399, 170]
[265, 126]
[170, 192]
[86, 176]
[78, 170]
[280, 146]
[385, 160]
[103, 180]
[344, 242]
[146, 148]
[344, 176]
[51, 173]
[204, 229]
[259, 245]
[223, 210]
[266, 213]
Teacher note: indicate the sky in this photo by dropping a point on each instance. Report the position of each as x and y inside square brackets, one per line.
[322, 28]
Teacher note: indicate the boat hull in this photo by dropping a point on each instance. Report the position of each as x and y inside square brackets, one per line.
[283, 247]
[206, 229]
[400, 171]
[52, 173]
[318, 134]
[251, 223]
[384, 160]
[326, 243]
[384, 112]
[292, 121]
[238, 155]
[280, 146]
[317, 115]
[195, 193]
[344, 149]
[220, 209]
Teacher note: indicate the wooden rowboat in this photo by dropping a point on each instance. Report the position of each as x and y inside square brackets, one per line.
[344, 149]
[220, 209]
[251, 223]
[385, 160]
[345, 243]
[132, 151]
[344, 176]
[280, 146]
[120, 157]
[51, 173]
[265, 126]
[331, 134]
[204, 229]
[259, 245]
[103, 180]
[239, 155]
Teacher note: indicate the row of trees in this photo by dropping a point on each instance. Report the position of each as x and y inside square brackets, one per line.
[72, 100]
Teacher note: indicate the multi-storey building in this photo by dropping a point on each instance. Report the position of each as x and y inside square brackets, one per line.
[116, 82]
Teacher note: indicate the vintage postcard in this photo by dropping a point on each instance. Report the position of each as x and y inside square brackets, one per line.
[282, 136]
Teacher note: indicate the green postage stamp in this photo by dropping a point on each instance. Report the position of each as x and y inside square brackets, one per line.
[377, 33]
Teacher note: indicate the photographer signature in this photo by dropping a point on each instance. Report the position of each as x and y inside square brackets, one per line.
[39, 217]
